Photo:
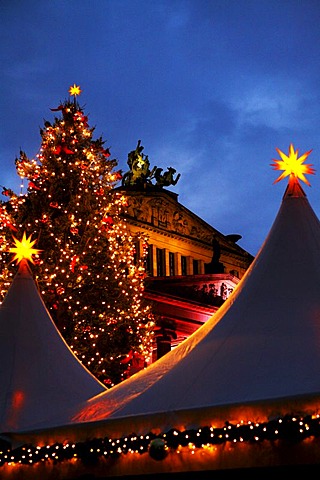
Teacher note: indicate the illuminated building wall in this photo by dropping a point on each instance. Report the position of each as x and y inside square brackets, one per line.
[192, 268]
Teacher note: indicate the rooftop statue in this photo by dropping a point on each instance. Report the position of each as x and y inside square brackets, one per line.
[165, 179]
[141, 174]
[139, 165]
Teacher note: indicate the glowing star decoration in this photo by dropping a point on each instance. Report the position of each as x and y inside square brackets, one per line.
[293, 166]
[75, 90]
[24, 249]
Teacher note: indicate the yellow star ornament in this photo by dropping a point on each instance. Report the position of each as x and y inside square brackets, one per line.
[24, 249]
[75, 90]
[293, 166]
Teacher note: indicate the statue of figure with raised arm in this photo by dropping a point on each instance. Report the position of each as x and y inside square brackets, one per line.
[141, 174]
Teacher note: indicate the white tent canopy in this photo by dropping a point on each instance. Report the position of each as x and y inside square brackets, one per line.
[255, 360]
[262, 344]
[39, 374]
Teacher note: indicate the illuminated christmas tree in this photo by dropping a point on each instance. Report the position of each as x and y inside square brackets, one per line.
[88, 273]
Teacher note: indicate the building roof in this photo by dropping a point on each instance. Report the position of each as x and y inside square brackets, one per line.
[39, 373]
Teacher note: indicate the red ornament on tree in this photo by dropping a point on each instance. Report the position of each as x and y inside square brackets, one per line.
[62, 148]
[33, 185]
[74, 260]
[61, 107]
[107, 222]
[106, 152]
[44, 219]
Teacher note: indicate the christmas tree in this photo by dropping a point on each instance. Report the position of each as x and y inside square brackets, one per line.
[88, 272]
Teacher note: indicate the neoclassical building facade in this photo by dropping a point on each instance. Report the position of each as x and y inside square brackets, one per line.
[191, 267]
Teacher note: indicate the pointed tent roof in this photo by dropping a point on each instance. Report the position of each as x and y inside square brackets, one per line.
[39, 374]
[255, 359]
[263, 343]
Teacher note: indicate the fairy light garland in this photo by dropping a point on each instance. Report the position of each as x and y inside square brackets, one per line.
[288, 428]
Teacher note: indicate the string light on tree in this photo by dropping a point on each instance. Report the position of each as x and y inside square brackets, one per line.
[88, 275]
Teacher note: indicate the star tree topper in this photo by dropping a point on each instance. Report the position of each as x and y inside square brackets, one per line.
[293, 166]
[75, 90]
[24, 249]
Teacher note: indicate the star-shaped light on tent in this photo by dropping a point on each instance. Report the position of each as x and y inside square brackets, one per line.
[293, 166]
[75, 90]
[24, 249]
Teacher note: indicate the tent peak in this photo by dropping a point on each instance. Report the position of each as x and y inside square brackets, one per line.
[24, 268]
[294, 189]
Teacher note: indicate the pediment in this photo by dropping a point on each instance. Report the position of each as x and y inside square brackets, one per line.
[162, 211]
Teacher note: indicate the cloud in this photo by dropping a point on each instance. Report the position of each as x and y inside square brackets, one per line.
[272, 102]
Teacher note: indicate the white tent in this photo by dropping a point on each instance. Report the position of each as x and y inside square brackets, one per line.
[39, 374]
[262, 344]
[254, 360]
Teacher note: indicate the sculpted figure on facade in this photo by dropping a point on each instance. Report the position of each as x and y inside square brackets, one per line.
[200, 233]
[160, 212]
[138, 208]
[180, 223]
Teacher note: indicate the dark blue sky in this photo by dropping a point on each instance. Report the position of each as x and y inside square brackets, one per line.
[210, 87]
